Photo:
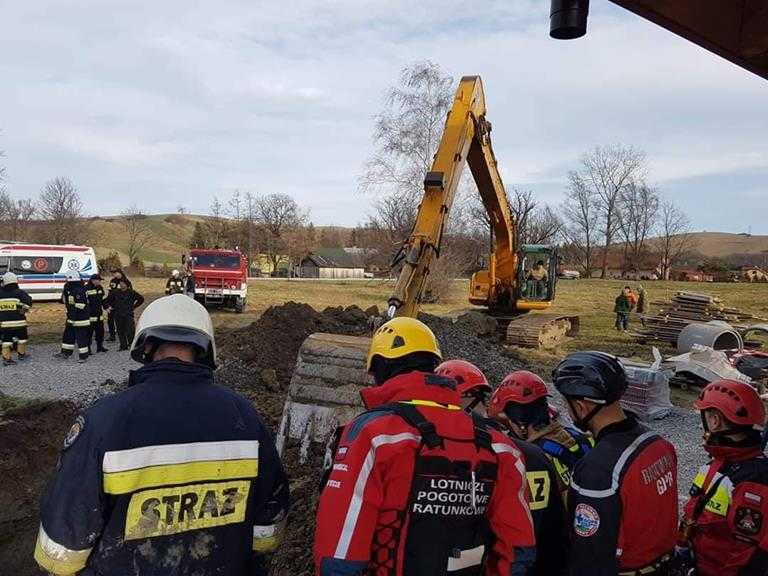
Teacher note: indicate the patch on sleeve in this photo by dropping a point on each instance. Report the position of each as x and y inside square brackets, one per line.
[341, 453]
[586, 521]
[74, 432]
[748, 521]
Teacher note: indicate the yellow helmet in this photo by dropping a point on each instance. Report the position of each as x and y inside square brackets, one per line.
[400, 337]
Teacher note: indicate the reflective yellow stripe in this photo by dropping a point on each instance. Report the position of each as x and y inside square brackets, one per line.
[57, 559]
[267, 538]
[132, 480]
[720, 502]
[79, 323]
[14, 324]
[176, 509]
[432, 404]
[538, 485]
[80, 306]
[67, 346]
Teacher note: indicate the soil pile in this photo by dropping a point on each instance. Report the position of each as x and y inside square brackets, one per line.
[31, 438]
[270, 345]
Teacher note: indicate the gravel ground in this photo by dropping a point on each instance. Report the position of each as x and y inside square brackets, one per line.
[43, 376]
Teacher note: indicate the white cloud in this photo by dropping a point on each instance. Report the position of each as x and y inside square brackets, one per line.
[171, 102]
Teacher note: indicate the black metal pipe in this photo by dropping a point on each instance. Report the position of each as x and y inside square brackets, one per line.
[568, 19]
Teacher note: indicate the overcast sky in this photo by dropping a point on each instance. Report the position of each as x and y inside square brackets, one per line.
[168, 103]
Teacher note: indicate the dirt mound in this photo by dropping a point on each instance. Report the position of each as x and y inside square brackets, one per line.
[473, 337]
[270, 345]
[30, 441]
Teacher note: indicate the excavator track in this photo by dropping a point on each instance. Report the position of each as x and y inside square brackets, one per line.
[540, 330]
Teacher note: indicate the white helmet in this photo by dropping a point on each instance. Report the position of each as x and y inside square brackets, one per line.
[175, 273]
[10, 278]
[72, 276]
[175, 318]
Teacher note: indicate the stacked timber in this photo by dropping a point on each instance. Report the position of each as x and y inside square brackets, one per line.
[688, 308]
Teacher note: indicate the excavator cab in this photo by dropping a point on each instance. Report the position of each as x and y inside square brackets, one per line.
[537, 276]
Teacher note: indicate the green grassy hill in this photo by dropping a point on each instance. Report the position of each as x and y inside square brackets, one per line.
[170, 237]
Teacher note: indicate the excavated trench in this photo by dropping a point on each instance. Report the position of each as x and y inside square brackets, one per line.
[257, 361]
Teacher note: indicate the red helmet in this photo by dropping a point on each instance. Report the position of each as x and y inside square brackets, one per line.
[521, 387]
[739, 403]
[470, 378]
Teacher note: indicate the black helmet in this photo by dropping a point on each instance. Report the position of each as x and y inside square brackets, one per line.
[594, 376]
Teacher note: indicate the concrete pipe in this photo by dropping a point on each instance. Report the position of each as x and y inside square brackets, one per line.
[716, 335]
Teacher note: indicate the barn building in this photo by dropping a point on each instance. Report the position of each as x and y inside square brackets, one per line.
[332, 263]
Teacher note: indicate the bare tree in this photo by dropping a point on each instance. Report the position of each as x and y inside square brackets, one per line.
[16, 216]
[674, 239]
[217, 225]
[137, 229]
[406, 135]
[181, 209]
[277, 215]
[637, 214]
[606, 170]
[580, 210]
[61, 209]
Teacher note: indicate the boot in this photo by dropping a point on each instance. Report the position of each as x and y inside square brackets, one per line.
[22, 357]
[102, 349]
[111, 338]
[82, 360]
[8, 362]
[62, 355]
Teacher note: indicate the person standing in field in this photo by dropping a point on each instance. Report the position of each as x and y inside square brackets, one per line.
[642, 303]
[14, 303]
[122, 302]
[117, 276]
[622, 308]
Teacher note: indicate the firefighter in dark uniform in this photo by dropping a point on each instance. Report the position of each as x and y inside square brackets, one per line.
[623, 497]
[175, 284]
[14, 303]
[724, 531]
[520, 403]
[175, 475]
[114, 283]
[545, 498]
[77, 330]
[95, 292]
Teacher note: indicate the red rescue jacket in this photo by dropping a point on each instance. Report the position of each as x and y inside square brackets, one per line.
[731, 532]
[393, 505]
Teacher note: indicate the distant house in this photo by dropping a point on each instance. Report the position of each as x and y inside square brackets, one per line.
[332, 263]
[693, 276]
[753, 274]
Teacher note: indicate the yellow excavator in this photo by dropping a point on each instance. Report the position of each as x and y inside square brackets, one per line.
[331, 368]
[519, 279]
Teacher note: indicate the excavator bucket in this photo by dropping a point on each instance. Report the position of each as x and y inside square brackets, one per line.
[324, 391]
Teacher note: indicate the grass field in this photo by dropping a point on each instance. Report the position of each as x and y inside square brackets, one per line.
[590, 299]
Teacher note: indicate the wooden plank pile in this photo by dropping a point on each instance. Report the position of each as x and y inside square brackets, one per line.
[688, 308]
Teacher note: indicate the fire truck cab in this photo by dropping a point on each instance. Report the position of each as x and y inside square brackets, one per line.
[220, 277]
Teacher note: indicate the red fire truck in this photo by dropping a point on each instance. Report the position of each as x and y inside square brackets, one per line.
[220, 277]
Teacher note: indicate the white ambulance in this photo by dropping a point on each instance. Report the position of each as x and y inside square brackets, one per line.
[41, 267]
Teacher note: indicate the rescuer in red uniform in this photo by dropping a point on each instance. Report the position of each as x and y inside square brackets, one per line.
[623, 496]
[520, 404]
[724, 523]
[418, 487]
[471, 383]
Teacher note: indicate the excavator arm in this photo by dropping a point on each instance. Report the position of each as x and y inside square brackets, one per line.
[466, 140]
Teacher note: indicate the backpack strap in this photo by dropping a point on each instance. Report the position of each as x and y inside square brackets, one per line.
[483, 440]
[412, 416]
